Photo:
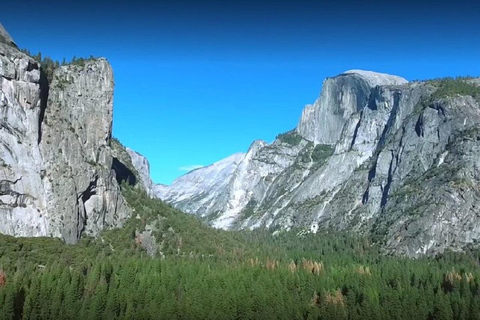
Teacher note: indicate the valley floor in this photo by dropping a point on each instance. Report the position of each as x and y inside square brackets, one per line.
[204, 273]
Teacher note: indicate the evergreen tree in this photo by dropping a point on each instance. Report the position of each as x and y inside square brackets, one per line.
[7, 307]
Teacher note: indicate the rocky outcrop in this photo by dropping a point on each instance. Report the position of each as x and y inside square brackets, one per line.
[375, 155]
[59, 176]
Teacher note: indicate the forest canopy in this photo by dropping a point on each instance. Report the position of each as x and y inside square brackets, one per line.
[203, 273]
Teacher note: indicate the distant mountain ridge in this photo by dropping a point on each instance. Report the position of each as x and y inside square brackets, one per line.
[202, 184]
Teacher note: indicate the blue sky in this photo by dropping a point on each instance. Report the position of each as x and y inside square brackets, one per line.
[198, 81]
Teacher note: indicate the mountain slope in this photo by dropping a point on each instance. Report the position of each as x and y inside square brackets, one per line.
[204, 184]
[375, 155]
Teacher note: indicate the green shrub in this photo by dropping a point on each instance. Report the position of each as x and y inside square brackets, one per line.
[448, 87]
[321, 152]
[290, 137]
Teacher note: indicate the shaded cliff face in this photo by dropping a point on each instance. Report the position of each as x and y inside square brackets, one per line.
[58, 174]
[374, 155]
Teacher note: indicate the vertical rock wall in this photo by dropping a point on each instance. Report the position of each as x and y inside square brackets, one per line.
[56, 176]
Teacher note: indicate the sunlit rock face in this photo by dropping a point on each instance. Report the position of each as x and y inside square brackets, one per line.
[23, 208]
[57, 178]
[341, 97]
[374, 154]
[205, 185]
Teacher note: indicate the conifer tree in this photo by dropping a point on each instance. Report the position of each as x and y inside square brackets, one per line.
[7, 307]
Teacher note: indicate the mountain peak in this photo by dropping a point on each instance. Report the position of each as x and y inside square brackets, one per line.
[377, 78]
[341, 96]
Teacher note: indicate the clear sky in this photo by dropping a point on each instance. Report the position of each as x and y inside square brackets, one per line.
[197, 81]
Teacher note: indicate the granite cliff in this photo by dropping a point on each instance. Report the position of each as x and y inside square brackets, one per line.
[60, 168]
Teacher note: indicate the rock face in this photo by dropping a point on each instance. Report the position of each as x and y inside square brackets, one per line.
[341, 97]
[5, 37]
[375, 155]
[59, 174]
[75, 145]
[23, 203]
